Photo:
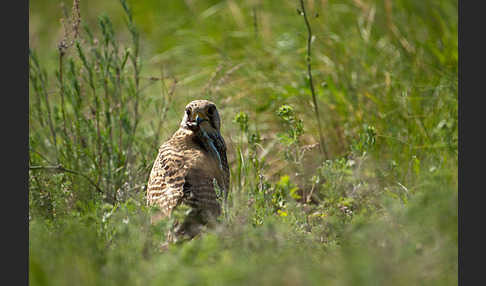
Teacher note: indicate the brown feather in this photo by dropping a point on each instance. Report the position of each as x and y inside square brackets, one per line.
[184, 171]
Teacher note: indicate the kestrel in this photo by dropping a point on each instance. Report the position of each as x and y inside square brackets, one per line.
[186, 169]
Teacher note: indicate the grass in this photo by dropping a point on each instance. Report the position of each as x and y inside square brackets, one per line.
[377, 207]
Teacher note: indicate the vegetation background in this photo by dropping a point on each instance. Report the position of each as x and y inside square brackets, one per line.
[374, 202]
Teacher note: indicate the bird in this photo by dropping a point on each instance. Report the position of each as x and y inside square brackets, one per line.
[188, 170]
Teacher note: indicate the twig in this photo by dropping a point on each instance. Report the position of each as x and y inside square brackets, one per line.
[208, 87]
[62, 49]
[134, 59]
[388, 10]
[255, 21]
[75, 20]
[308, 198]
[168, 101]
[60, 168]
[49, 117]
[40, 155]
[311, 83]
[226, 75]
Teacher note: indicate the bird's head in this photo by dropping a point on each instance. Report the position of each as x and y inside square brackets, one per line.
[203, 115]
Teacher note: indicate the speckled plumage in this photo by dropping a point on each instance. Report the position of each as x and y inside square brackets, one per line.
[186, 168]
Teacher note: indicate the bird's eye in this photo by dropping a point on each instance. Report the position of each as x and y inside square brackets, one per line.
[188, 111]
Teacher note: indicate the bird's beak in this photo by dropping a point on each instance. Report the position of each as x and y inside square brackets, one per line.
[199, 118]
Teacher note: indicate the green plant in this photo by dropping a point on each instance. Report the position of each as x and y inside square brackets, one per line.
[94, 136]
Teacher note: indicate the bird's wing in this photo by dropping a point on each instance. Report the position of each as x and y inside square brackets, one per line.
[167, 178]
[223, 180]
[199, 188]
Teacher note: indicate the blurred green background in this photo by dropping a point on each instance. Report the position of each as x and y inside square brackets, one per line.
[379, 208]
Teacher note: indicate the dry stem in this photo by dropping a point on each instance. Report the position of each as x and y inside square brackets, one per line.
[311, 83]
